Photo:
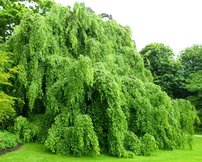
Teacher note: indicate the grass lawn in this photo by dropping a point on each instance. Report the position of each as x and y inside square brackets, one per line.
[37, 153]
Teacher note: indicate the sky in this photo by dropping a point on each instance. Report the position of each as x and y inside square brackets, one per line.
[176, 23]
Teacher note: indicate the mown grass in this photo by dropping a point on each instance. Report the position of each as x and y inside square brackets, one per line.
[37, 153]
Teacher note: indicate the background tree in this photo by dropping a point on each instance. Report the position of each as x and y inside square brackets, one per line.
[159, 59]
[191, 60]
[178, 77]
[194, 85]
[12, 11]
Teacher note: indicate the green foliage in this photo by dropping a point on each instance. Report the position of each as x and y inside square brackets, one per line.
[166, 71]
[43, 122]
[194, 85]
[148, 145]
[11, 12]
[187, 116]
[132, 143]
[191, 59]
[180, 78]
[8, 140]
[194, 82]
[85, 73]
[155, 56]
[76, 138]
[7, 112]
[24, 129]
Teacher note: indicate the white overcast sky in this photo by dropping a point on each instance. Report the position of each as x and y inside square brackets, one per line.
[177, 23]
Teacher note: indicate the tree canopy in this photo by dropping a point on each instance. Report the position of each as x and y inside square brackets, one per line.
[179, 77]
[83, 75]
[194, 85]
[191, 59]
[166, 71]
[12, 11]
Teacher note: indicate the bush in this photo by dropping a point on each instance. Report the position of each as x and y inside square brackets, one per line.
[77, 138]
[8, 140]
[24, 129]
[132, 143]
[43, 123]
[7, 113]
[148, 145]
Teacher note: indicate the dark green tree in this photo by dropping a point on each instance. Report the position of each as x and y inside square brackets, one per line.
[85, 74]
[194, 85]
[159, 59]
[191, 60]
[12, 11]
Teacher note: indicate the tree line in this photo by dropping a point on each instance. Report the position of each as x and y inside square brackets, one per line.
[180, 77]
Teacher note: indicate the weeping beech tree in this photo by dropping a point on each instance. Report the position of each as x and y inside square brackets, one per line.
[85, 73]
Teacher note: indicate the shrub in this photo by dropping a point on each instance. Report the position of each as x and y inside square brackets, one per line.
[132, 143]
[148, 145]
[7, 115]
[43, 122]
[76, 138]
[8, 140]
[24, 129]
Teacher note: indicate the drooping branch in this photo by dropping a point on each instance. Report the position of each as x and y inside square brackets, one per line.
[106, 15]
[103, 15]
